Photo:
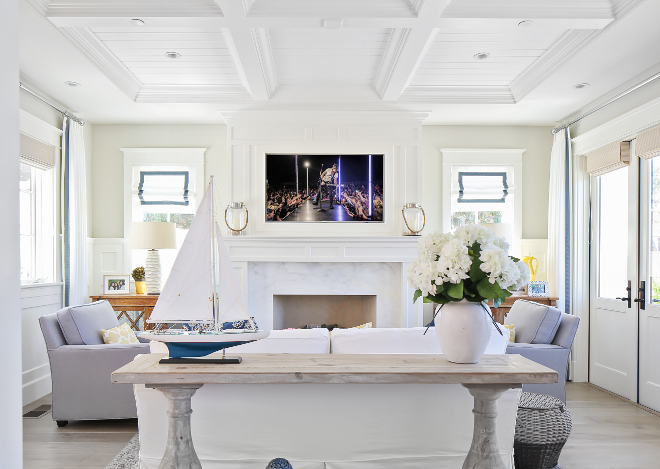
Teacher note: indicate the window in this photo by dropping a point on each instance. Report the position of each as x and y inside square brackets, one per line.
[483, 186]
[37, 224]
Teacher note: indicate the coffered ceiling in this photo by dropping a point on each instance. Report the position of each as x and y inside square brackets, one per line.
[418, 55]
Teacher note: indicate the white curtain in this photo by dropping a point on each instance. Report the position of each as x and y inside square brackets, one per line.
[559, 220]
[74, 214]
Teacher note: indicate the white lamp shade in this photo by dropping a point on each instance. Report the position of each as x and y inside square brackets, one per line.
[153, 235]
[502, 230]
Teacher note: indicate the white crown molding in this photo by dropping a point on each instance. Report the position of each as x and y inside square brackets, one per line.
[90, 45]
[601, 14]
[390, 58]
[133, 9]
[40, 130]
[312, 118]
[192, 94]
[416, 5]
[265, 54]
[458, 94]
[569, 44]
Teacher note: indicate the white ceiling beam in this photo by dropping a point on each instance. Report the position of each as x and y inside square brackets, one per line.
[405, 51]
[251, 51]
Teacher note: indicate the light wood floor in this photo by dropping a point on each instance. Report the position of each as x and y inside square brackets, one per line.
[608, 433]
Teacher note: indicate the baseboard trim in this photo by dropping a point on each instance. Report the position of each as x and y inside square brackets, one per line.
[627, 401]
[36, 389]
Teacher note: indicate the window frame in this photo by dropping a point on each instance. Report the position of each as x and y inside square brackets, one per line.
[461, 157]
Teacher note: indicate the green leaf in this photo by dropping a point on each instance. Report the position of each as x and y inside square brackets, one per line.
[488, 290]
[514, 259]
[455, 290]
[506, 293]
[476, 248]
[476, 273]
[417, 294]
[439, 288]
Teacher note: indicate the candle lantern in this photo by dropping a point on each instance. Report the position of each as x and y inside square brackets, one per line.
[236, 218]
[414, 219]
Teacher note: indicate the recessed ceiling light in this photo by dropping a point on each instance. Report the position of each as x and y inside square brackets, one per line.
[525, 23]
[137, 22]
[173, 55]
[580, 86]
[72, 83]
[481, 55]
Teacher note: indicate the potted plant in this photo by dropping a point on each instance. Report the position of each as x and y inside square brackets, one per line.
[461, 271]
[140, 284]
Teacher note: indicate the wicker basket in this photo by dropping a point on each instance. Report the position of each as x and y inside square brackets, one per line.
[542, 427]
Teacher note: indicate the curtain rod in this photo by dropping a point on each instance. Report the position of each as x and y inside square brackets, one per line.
[609, 101]
[54, 106]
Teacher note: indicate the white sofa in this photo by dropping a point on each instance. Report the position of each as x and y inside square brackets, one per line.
[330, 426]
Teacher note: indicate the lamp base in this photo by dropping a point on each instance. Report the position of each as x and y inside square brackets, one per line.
[152, 272]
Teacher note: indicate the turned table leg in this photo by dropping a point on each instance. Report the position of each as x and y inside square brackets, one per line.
[484, 452]
[179, 451]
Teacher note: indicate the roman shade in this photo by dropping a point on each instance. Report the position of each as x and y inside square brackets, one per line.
[647, 145]
[608, 158]
[482, 187]
[36, 153]
[163, 188]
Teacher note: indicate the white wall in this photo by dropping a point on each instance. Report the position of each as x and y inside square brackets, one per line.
[536, 168]
[11, 433]
[107, 168]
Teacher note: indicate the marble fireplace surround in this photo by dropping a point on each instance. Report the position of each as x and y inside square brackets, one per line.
[272, 266]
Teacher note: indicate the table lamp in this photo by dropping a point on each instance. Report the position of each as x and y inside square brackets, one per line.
[153, 235]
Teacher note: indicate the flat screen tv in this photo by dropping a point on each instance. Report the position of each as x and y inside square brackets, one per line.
[324, 188]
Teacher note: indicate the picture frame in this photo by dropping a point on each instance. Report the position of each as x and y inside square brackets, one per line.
[116, 284]
[538, 289]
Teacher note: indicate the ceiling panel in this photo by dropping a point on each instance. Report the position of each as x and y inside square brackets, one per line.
[205, 58]
[450, 58]
[323, 56]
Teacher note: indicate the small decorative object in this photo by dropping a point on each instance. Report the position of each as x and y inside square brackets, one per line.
[153, 235]
[529, 260]
[543, 426]
[414, 218]
[279, 463]
[461, 271]
[116, 284]
[538, 288]
[140, 284]
[236, 218]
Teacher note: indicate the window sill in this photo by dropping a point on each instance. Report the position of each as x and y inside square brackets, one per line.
[38, 285]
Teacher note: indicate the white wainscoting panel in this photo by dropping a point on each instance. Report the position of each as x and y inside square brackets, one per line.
[36, 301]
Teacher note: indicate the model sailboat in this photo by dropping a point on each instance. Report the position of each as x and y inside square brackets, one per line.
[202, 292]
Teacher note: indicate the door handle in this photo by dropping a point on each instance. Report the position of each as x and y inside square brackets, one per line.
[641, 295]
[629, 297]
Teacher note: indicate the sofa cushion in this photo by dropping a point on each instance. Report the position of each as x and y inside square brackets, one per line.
[535, 323]
[399, 340]
[119, 335]
[82, 325]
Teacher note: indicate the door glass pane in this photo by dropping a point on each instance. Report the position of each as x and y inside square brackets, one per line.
[655, 231]
[613, 231]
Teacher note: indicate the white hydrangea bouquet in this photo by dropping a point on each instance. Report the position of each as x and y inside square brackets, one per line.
[469, 264]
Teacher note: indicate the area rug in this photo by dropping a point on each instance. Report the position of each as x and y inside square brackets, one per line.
[129, 457]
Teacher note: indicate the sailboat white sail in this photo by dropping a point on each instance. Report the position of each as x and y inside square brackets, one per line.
[202, 287]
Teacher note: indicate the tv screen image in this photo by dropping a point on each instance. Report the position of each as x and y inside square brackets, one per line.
[324, 188]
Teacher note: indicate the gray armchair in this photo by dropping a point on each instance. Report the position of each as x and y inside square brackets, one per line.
[81, 364]
[545, 335]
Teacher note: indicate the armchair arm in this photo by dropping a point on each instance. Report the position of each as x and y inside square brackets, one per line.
[81, 381]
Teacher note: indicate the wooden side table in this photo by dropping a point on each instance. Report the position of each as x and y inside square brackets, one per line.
[144, 304]
[501, 312]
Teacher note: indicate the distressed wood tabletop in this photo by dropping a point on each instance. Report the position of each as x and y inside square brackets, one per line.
[338, 369]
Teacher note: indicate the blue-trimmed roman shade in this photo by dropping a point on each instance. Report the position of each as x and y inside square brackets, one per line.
[482, 187]
[163, 188]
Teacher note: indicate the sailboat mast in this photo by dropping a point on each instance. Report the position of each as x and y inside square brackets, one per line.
[213, 255]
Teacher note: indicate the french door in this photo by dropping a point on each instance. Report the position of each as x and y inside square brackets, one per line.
[625, 299]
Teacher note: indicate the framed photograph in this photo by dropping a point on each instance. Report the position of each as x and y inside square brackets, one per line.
[116, 284]
[538, 288]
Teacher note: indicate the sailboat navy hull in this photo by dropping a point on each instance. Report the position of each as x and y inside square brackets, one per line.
[193, 350]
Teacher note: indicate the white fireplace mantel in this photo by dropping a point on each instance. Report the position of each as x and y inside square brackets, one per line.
[376, 265]
[322, 249]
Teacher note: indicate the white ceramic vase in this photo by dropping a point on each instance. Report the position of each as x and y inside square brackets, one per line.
[463, 330]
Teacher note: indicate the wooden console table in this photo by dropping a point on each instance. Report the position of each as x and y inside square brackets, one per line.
[486, 381]
[125, 303]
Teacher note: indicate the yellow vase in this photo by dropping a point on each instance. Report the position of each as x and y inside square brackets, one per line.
[529, 260]
[140, 287]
